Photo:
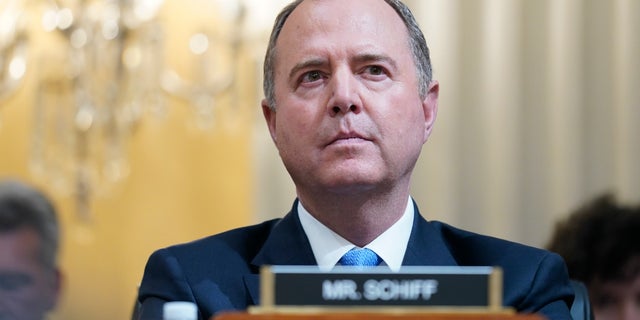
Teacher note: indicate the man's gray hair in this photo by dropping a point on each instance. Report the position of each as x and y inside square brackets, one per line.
[22, 206]
[417, 43]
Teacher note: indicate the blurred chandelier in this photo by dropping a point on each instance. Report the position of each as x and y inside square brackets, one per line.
[111, 70]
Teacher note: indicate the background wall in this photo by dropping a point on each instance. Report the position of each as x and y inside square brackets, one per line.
[539, 112]
[184, 182]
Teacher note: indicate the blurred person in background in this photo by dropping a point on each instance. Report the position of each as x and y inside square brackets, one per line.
[30, 279]
[600, 243]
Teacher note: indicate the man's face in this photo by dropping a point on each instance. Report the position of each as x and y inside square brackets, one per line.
[349, 117]
[27, 289]
[616, 300]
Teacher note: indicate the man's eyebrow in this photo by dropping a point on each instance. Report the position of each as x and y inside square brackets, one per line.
[373, 57]
[314, 62]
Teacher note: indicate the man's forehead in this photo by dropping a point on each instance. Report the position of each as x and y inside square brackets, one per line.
[318, 14]
[350, 26]
[23, 241]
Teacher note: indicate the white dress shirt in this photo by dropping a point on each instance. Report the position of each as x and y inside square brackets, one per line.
[328, 247]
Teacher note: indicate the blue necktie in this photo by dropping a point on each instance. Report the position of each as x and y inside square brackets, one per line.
[362, 257]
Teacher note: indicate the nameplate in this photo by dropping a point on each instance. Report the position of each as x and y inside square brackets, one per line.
[299, 287]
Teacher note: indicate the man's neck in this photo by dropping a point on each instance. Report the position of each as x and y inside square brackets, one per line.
[359, 218]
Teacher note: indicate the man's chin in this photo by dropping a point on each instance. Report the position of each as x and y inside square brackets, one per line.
[351, 186]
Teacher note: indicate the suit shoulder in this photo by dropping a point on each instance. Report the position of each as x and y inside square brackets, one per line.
[534, 279]
[471, 248]
[244, 241]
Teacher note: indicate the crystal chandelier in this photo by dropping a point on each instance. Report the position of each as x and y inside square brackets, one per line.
[13, 47]
[111, 70]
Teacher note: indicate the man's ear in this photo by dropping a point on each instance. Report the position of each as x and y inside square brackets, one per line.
[430, 108]
[55, 290]
[270, 117]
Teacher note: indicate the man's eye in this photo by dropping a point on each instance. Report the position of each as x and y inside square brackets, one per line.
[312, 76]
[13, 282]
[375, 70]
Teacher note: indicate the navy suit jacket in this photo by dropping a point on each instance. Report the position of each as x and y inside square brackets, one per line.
[221, 272]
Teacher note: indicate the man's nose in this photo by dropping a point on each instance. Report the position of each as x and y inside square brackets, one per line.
[345, 97]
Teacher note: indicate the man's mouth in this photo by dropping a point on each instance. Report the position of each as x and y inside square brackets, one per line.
[348, 138]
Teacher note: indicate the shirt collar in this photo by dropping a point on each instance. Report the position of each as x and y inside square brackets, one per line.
[328, 247]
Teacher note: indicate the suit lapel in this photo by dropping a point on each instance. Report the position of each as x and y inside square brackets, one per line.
[287, 244]
[252, 283]
[426, 245]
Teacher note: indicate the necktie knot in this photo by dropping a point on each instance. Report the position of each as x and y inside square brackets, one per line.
[362, 257]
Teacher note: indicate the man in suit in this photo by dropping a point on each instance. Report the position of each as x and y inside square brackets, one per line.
[349, 102]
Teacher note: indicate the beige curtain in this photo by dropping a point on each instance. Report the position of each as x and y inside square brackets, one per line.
[539, 112]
